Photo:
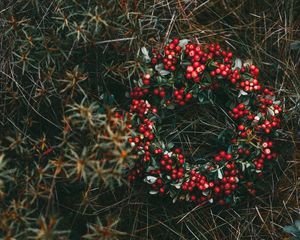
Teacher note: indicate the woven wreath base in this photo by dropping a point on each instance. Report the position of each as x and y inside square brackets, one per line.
[184, 72]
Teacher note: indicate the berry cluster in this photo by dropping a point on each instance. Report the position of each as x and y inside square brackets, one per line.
[223, 156]
[146, 79]
[268, 104]
[235, 76]
[221, 70]
[250, 85]
[182, 98]
[172, 162]
[194, 71]
[196, 182]
[156, 57]
[267, 126]
[138, 92]
[141, 107]
[227, 184]
[160, 91]
[227, 174]
[171, 54]
[239, 112]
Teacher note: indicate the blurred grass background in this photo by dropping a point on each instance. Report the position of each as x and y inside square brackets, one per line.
[66, 65]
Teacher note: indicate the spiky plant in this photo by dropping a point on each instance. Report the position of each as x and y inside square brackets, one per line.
[104, 231]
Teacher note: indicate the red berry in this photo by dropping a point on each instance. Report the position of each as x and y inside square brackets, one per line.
[241, 127]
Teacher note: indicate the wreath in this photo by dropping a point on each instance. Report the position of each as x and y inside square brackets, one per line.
[183, 72]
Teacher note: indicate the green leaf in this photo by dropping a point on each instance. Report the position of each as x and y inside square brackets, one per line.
[242, 93]
[201, 98]
[271, 112]
[159, 67]
[150, 179]
[237, 63]
[292, 230]
[140, 83]
[171, 107]
[146, 57]
[229, 149]
[164, 72]
[152, 192]
[297, 224]
[177, 185]
[170, 145]
[295, 45]
[183, 42]
[220, 174]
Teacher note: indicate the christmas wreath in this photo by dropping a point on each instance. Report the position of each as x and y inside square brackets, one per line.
[182, 72]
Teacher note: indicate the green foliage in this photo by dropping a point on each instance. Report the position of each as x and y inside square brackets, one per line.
[293, 229]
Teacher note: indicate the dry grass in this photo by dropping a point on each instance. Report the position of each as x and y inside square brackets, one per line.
[34, 97]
